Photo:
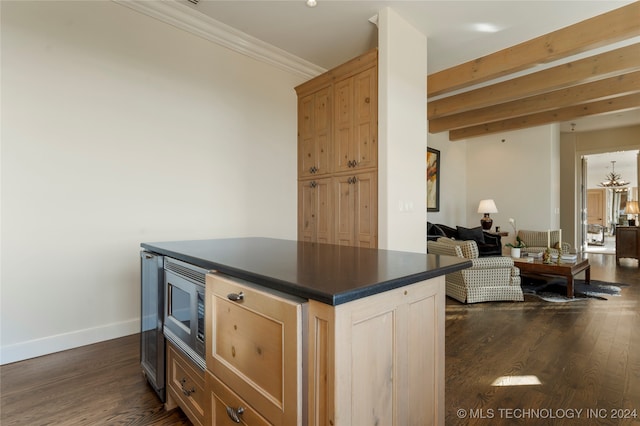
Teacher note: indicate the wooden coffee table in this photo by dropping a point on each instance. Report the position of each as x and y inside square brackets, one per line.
[568, 270]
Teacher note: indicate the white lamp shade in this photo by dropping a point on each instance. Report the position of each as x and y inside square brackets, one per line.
[631, 208]
[487, 206]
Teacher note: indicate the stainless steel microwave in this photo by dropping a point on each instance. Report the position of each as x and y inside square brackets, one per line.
[184, 312]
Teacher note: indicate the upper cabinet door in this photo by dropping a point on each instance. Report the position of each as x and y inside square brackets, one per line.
[356, 121]
[314, 133]
[365, 144]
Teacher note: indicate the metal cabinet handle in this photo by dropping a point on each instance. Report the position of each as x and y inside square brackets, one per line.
[234, 414]
[235, 297]
[352, 163]
[186, 392]
[313, 184]
[313, 169]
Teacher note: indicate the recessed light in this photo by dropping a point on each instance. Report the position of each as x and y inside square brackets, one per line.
[312, 3]
[485, 27]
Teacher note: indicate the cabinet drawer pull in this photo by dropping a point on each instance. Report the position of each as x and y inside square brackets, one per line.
[186, 392]
[234, 414]
[236, 297]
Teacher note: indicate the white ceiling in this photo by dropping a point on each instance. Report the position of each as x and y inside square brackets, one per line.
[599, 165]
[335, 30]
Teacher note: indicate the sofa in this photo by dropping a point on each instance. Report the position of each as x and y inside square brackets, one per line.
[536, 241]
[488, 279]
[488, 244]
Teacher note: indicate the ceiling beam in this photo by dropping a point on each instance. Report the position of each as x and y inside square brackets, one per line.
[619, 24]
[583, 93]
[626, 102]
[604, 65]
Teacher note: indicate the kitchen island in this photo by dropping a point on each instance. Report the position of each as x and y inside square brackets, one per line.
[318, 334]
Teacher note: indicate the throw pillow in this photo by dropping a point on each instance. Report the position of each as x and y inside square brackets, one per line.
[436, 230]
[474, 234]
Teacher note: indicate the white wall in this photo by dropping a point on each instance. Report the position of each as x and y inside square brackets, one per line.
[119, 129]
[402, 134]
[519, 170]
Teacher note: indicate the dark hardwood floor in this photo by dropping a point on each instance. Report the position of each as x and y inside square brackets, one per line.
[100, 384]
[586, 354]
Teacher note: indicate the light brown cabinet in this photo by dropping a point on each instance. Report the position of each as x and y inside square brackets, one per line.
[254, 353]
[338, 147]
[185, 386]
[627, 242]
[378, 360]
[356, 121]
[314, 133]
[356, 199]
[227, 408]
[315, 199]
[375, 360]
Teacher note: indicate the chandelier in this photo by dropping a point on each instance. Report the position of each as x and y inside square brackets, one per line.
[613, 179]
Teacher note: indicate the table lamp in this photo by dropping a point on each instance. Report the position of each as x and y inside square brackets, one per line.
[486, 207]
[632, 209]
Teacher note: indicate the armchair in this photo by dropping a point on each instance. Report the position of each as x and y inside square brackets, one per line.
[488, 279]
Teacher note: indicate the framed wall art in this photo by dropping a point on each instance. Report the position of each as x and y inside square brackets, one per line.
[433, 180]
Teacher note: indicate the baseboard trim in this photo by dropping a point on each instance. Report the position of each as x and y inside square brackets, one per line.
[61, 342]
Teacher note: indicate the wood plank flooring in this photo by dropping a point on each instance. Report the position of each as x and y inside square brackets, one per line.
[100, 384]
[586, 355]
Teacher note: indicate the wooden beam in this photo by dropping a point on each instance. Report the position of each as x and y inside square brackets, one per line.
[588, 92]
[618, 61]
[619, 24]
[626, 102]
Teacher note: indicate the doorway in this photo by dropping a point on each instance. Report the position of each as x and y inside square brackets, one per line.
[605, 204]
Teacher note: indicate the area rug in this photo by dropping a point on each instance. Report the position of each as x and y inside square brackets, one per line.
[555, 289]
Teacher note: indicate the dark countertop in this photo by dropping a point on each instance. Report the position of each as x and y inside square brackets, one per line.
[327, 273]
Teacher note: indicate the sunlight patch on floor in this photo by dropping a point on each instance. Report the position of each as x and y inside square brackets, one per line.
[516, 381]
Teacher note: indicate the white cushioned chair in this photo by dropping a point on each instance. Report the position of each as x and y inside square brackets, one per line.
[488, 279]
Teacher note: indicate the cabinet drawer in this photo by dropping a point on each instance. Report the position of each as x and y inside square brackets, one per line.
[255, 346]
[223, 399]
[186, 385]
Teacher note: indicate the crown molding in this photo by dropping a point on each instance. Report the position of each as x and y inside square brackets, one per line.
[194, 22]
